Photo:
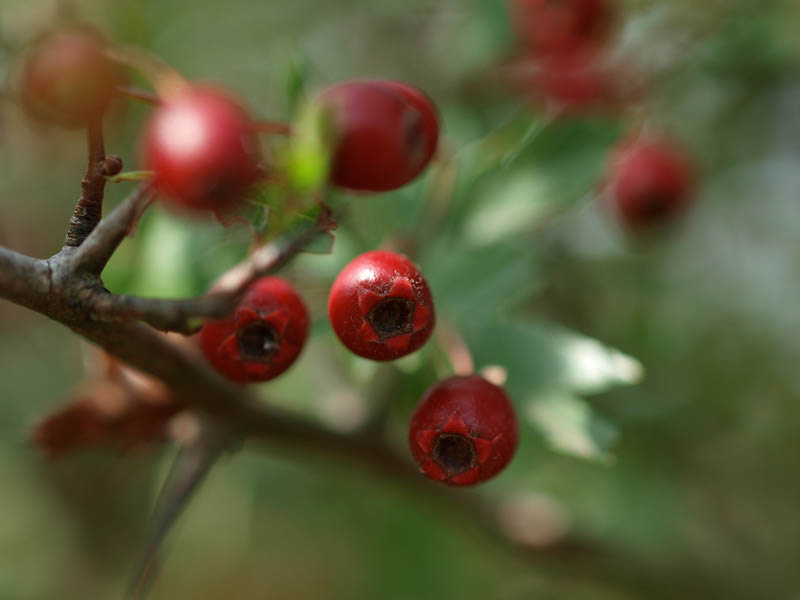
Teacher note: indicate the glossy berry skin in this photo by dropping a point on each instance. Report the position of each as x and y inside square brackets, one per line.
[67, 79]
[464, 431]
[202, 147]
[385, 133]
[555, 26]
[650, 181]
[380, 306]
[263, 337]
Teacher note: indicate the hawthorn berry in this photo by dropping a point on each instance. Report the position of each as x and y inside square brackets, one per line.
[380, 306]
[577, 80]
[202, 147]
[385, 133]
[66, 77]
[650, 181]
[264, 335]
[554, 26]
[464, 431]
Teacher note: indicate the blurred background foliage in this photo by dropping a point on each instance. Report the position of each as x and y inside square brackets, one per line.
[679, 486]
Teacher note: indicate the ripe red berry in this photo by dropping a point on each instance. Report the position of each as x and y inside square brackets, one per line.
[577, 81]
[553, 26]
[385, 133]
[380, 306]
[202, 147]
[464, 431]
[67, 78]
[650, 181]
[263, 337]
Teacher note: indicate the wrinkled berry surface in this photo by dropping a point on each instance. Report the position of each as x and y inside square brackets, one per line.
[464, 431]
[380, 306]
[263, 337]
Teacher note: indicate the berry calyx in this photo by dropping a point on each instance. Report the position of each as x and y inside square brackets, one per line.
[67, 78]
[554, 26]
[464, 431]
[263, 337]
[650, 181]
[380, 306]
[202, 147]
[385, 133]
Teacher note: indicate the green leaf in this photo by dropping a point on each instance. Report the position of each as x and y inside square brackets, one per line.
[569, 425]
[548, 369]
[591, 367]
[298, 72]
[308, 158]
[130, 176]
[166, 250]
[507, 273]
[250, 211]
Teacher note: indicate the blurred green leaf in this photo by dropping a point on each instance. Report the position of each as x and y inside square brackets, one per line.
[569, 425]
[297, 77]
[308, 158]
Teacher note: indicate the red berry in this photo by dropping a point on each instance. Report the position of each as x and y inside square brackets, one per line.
[67, 78]
[576, 81]
[263, 337]
[202, 146]
[464, 431]
[386, 133]
[650, 181]
[553, 26]
[380, 306]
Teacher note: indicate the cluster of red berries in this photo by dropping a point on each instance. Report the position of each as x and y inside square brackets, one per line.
[563, 56]
[649, 179]
[201, 145]
[201, 142]
[464, 430]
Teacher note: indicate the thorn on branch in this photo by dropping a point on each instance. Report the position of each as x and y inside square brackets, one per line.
[89, 209]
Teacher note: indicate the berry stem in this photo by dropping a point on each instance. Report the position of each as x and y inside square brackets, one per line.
[456, 348]
[273, 127]
[139, 94]
[163, 77]
[89, 209]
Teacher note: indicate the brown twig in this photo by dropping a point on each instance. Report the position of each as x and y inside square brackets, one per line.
[183, 315]
[89, 209]
[103, 241]
[23, 280]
